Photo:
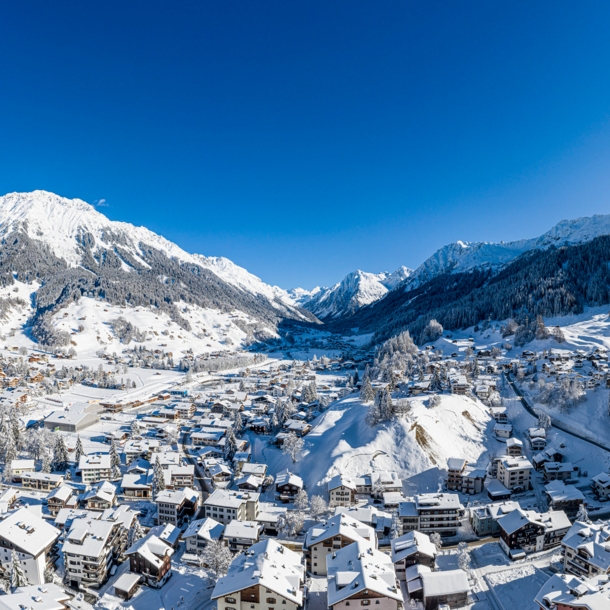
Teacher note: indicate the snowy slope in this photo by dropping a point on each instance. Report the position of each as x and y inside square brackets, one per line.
[462, 256]
[416, 447]
[356, 290]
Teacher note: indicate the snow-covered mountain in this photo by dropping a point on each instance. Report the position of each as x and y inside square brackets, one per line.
[355, 290]
[462, 256]
[73, 250]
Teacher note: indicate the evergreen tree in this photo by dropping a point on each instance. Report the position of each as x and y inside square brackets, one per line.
[46, 462]
[136, 430]
[68, 474]
[230, 445]
[583, 514]
[17, 574]
[78, 451]
[135, 533]
[60, 453]
[115, 459]
[7, 474]
[10, 451]
[158, 478]
[367, 393]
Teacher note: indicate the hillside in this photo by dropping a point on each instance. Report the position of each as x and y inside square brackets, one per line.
[73, 251]
[554, 281]
[342, 443]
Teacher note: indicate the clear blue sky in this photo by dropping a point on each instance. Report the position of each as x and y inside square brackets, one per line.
[306, 139]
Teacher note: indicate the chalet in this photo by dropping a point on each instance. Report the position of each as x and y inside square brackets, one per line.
[19, 467]
[41, 481]
[484, 519]
[95, 467]
[564, 497]
[225, 506]
[150, 557]
[61, 497]
[342, 491]
[449, 588]
[287, 485]
[568, 592]
[410, 549]
[514, 447]
[600, 484]
[138, 484]
[558, 471]
[528, 531]
[101, 497]
[175, 506]
[241, 535]
[585, 549]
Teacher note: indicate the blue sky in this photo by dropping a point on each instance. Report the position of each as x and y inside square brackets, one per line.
[307, 139]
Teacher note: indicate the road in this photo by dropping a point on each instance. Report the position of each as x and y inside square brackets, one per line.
[555, 423]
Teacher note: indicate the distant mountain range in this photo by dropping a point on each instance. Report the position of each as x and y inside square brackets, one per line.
[67, 249]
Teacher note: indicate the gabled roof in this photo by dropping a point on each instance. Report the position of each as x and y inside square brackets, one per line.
[151, 548]
[358, 567]
[268, 564]
[410, 544]
[340, 525]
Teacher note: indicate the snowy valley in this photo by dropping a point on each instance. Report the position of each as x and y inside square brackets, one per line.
[177, 433]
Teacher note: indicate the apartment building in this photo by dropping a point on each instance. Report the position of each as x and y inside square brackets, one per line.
[95, 467]
[585, 549]
[90, 549]
[224, 506]
[173, 506]
[433, 512]
[514, 472]
[34, 541]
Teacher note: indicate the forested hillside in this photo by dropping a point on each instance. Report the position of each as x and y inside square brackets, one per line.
[551, 282]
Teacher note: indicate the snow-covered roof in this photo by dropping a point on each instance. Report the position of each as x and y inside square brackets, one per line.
[88, 537]
[97, 461]
[285, 477]
[230, 499]
[594, 539]
[341, 481]
[177, 496]
[410, 544]
[151, 548]
[446, 583]
[558, 491]
[573, 592]
[340, 525]
[43, 597]
[127, 581]
[268, 564]
[246, 530]
[358, 567]
[28, 532]
[208, 529]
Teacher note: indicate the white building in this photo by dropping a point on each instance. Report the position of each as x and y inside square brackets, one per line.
[32, 538]
[224, 506]
[95, 467]
[268, 576]
[514, 472]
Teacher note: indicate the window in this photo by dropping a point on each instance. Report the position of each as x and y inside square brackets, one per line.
[365, 602]
[271, 600]
[230, 600]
